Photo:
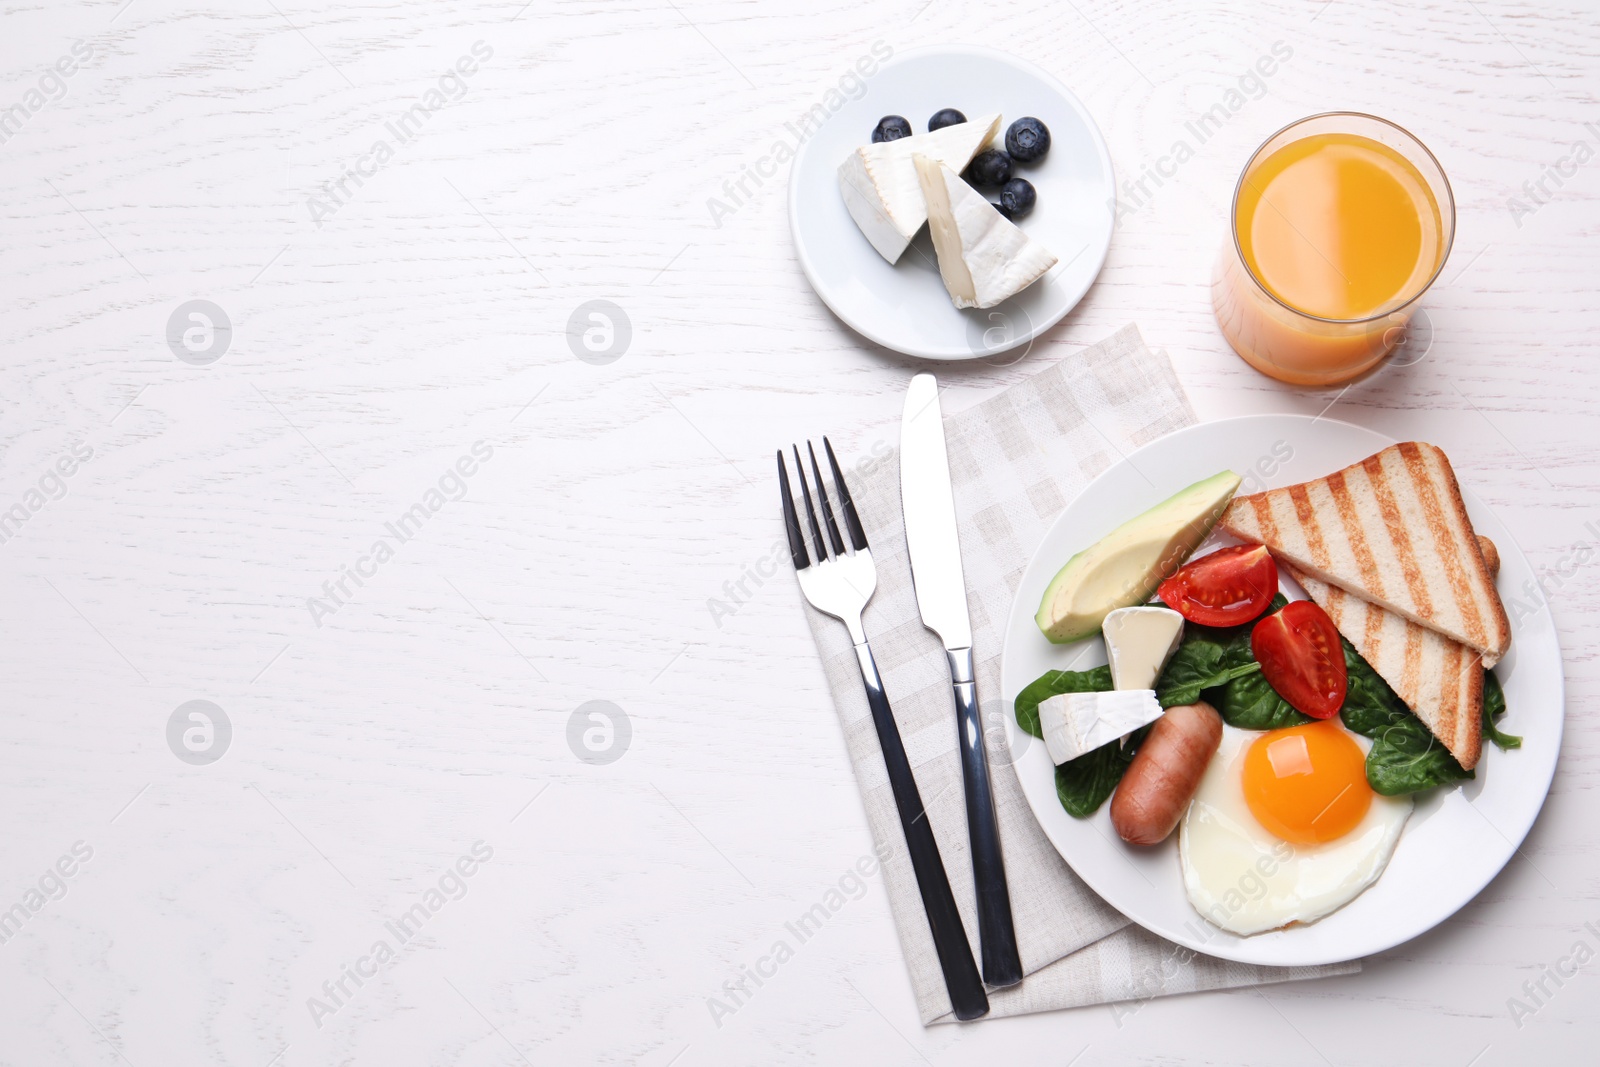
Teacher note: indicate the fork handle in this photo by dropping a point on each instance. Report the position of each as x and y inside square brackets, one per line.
[997, 937]
[961, 976]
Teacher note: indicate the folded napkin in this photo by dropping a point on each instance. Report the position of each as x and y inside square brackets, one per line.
[1016, 460]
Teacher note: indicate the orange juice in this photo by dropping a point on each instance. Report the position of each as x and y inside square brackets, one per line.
[1339, 226]
[1336, 234]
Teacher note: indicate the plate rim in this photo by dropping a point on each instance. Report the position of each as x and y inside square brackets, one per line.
[1039, 328]
[1401, 932]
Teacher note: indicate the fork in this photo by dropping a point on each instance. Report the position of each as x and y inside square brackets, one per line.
[840, 585]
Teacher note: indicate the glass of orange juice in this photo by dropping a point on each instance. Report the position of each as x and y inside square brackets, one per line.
[1340, 223]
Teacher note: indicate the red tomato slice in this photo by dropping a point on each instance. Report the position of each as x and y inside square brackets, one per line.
[1229, 587]
[1301, 657]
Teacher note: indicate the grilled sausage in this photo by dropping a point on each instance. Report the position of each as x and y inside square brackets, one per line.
[1165, 773]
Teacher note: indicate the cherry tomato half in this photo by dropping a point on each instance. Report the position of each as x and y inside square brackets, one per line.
[1301, 657]
[1229, 587]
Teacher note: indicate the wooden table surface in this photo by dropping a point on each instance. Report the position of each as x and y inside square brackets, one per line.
[398, 280]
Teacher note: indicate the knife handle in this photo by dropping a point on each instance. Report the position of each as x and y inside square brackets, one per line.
[997, 937]
[961, 977]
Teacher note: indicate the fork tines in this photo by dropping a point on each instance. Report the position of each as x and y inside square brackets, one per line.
[852, 521]
[791, 520]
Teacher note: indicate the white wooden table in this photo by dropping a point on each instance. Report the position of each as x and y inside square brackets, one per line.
[420, 305]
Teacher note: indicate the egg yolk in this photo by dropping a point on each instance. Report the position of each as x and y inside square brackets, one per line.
[1307, 784]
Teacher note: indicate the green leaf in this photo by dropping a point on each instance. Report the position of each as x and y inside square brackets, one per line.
[1083, 784]
[1238, 637]
[1247, 700]
[1405, 756]
[1053, 683]
[1494, 706]
[1198, 665]
[1210, 657]
[1250, 703]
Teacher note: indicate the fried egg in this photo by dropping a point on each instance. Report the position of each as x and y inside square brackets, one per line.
[1284, 828]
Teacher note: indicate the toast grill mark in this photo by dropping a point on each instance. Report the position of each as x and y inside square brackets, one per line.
[1308, 522]
[1405, 553]
[1417, 466]
[1412, 659]
[1372, 621]
[1475, 671]
[1371, 577]
[1450, 711]
[1269, 526]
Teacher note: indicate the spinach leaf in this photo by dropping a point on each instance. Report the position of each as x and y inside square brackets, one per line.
[1052, 683]
[1245, 699]
[1405, 756]
[1238, 637]
[1494, 706]
[1083, 784]
[1198, 665]
[1250, 703]
[1209, 657]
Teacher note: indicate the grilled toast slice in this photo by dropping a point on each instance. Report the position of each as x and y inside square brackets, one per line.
[1392, 530]
[1439, 679]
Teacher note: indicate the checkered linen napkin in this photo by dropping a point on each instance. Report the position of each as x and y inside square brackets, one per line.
[1016, 460]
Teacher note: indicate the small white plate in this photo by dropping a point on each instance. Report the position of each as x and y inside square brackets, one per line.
[1459, 836]
[904, 306]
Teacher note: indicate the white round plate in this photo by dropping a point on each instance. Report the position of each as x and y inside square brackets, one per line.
[1459, 836]
[904, 306]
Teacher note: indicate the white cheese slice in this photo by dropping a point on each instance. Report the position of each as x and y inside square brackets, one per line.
[1139, 642]
[1076, 723]
[880, 187]
[983, 258]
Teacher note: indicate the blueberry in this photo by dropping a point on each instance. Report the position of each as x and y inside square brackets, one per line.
[948, 117]
[890, 128]
[990, 169]
[1017, 198]
[1027, 140]
[1005, 212]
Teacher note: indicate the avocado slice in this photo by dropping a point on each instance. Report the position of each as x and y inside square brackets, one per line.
[1124, 567]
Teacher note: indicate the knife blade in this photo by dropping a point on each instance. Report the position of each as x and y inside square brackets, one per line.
[928, 503]
[930, 513]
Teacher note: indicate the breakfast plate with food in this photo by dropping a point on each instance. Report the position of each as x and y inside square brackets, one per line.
[958, 208]
[1266, 697]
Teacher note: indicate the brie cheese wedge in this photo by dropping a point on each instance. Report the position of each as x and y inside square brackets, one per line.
[1139, 642]
[983, 258]
[880, 187]
[1076, 723]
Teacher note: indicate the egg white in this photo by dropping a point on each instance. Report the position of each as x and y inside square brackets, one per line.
[1245, 880]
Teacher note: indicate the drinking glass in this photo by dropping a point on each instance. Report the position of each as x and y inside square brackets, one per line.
[1291, 343]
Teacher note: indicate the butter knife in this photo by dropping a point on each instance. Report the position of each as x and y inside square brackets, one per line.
[930, 516]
